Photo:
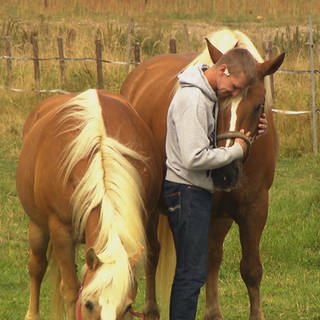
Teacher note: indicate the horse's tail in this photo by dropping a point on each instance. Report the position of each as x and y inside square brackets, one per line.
[54, 278]
[166, 265]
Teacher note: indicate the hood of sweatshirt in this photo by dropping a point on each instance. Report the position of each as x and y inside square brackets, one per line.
[194, 77]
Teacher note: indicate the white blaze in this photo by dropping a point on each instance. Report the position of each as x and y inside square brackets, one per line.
[233, 117]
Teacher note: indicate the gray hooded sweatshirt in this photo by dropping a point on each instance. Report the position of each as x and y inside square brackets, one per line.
[190, 141]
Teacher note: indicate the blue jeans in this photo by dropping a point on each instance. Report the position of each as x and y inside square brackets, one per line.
[189, 210]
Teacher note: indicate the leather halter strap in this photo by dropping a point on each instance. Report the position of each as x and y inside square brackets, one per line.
[237, 134]
[136, 314]
[79, 314]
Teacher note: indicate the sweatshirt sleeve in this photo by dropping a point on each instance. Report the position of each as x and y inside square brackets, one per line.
[191, 122]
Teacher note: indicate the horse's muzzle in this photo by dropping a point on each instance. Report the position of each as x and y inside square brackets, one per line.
[227, 178]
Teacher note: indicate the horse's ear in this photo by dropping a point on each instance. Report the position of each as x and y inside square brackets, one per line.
[92, 259]
[270, 66]
[215, 54]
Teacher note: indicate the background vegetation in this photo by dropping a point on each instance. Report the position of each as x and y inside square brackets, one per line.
[151, 24]
[290, 245]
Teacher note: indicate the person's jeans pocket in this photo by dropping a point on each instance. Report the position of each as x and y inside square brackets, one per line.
[172, 200]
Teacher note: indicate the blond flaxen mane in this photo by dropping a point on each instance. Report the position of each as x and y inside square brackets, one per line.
[110, 183]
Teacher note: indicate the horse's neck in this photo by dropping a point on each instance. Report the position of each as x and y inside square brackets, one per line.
[91, 230]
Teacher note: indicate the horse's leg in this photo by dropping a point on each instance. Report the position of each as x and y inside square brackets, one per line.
[218, 231]
[151, 310]
[250, 266]
[38, 243]
[64, 251]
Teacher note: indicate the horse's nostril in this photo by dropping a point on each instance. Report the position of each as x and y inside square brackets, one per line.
[89, 305]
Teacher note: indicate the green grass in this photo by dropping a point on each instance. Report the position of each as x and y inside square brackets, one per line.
[290, 249]
[13, 252]
[291, 240]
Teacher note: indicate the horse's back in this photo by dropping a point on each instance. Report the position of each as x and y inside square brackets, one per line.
[39, 182]
[155, 74]
[150, 88]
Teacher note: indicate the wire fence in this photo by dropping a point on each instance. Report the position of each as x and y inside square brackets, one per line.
[98, 60]
[62, 60]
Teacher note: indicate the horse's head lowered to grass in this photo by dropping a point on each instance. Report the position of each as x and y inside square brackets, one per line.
[88, 173]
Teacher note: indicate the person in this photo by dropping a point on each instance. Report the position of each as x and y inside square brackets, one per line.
[191, 153]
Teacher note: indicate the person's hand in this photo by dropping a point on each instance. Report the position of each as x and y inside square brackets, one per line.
[242, 143]
[262, 126]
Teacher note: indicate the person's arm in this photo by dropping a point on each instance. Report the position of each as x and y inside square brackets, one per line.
[192, 133]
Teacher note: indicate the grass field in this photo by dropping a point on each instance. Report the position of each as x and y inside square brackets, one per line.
[290, 249]
[290, 245]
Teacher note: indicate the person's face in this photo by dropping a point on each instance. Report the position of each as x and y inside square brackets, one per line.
[229, 85]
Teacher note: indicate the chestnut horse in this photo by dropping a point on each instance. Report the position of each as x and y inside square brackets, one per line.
[88, 172]
[241, 187]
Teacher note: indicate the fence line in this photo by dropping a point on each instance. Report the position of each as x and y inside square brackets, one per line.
[88, 59]
[98, 59]
[99, 64]
[65, 59]
[288, 112]
[62, 60]
[35, 90]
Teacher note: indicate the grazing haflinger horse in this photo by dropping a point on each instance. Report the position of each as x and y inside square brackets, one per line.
[241, 187]
[88, 172]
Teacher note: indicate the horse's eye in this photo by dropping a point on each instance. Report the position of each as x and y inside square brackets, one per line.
[89, 305]
[260, 107]
[128, 308]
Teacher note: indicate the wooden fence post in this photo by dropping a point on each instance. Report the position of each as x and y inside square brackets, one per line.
[8, 62]
[99, 64]
[313, 91]
[267, 46]
[61, 60]
[137, 53]
[186, 35]
[173, 46]
[36, 66]
[129, 44]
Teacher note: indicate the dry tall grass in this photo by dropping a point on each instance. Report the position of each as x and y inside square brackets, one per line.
[203, 9]
[80, 22]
